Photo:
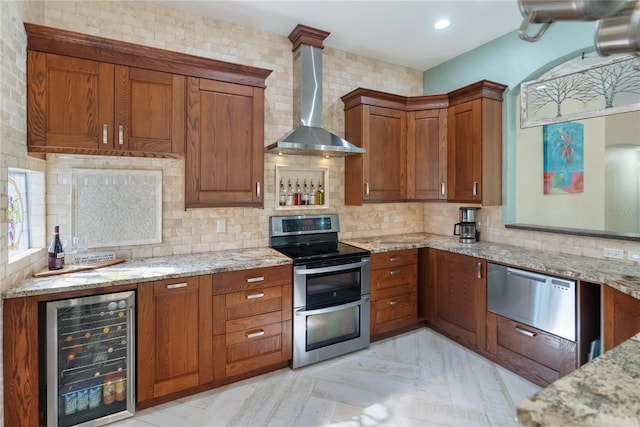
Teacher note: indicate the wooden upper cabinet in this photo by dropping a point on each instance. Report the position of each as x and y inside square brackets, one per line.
[150, 110]
[69, 102]
[427, 148]
[83, 106]
[225, 144]
[90, 95]
[376, 121]
[474, 144]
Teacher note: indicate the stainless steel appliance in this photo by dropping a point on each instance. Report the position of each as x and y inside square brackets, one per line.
[467, 227]
[331, 287]
[544, 302]
[90, 365]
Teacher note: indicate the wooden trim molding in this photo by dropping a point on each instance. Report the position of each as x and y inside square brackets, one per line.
[69, 43]
[481, 89]
[302, 34]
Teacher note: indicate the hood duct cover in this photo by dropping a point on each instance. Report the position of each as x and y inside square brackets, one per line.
[310, 138]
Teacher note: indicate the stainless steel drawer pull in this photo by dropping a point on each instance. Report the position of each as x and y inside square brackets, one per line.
[394, 272]
[178, 285]
[394, 302]
[254, 334]
[395, 258]
[442, 189]
[475, 188]
[255, 279]
[366, 189]
[479, 270]
[105, 133]
[525, 332]
[258, 190]
[121, 134]
[255, 296]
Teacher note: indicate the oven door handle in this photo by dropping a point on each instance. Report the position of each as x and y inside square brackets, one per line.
[331, 268]
[333, 308]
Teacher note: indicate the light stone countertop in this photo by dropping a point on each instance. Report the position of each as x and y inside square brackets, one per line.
[624, 277]
[602, 393]
[149, 269]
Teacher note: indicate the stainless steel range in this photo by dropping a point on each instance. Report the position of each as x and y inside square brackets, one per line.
[331, 287]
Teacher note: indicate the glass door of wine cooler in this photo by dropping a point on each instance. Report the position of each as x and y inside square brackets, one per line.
[90, 366]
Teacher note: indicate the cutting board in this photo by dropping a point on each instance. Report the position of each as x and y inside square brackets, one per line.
[74, 268]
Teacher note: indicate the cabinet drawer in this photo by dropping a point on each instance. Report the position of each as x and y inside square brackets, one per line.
[542, 356]
[395, 312]
[394, 258]
[252, 349]
[396, 280]
[235, 281]
[251, 308]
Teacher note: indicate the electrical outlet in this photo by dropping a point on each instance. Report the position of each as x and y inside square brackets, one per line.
[222, 225]
[613, 253]
[633, 256]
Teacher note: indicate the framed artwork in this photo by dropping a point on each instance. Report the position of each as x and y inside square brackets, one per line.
[580, 91]
[563, 158]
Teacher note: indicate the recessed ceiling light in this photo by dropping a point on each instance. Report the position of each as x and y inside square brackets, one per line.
[441, 24]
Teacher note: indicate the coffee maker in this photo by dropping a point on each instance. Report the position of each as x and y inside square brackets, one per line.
[467, 228]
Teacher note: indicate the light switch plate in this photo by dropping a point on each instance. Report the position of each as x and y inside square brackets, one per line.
[613, 253]
[221, 225]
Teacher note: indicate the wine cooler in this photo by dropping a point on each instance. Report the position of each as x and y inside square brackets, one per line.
[90, 366]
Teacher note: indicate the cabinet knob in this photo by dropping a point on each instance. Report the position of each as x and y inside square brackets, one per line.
[256, 296]
[177, 285]
[525, 332]
[256, 334]
[120, 134]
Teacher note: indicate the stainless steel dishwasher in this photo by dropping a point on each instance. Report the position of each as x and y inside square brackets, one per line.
[544, 302]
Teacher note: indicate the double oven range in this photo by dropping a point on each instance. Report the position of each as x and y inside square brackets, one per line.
[331, 287]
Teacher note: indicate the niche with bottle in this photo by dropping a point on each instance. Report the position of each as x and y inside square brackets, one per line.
[302, 188]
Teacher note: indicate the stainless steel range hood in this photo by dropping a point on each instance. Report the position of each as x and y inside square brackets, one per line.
[309, 137]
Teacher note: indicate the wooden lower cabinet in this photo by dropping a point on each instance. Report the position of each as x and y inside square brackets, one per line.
[531, 353]
[621, 317]
[252, 328]
[173, 323]
[394, 287]
[454, 302]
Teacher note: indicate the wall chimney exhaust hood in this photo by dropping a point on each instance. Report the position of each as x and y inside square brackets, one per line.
[310, 138]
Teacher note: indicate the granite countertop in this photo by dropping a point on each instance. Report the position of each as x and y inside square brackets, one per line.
[622, 276]
[149, 269]
[604, 392]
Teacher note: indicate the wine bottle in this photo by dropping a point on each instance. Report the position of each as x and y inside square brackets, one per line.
[320, 195]
[282, 196]
[289, 201]
[297, 197]
[56, 252]
[305, 193]
[312, 194]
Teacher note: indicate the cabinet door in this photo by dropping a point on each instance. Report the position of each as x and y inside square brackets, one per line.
[384, 168]
[225, 144]
[464, 152]
[457, 297]
[393, 313]
[69, 102]
[427, 155]
[149, 111]
[621, 315]
[174, 317]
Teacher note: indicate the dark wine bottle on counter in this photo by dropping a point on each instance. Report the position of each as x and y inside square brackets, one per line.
[56, 252]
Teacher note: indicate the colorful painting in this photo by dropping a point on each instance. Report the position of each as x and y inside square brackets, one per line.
[563, 158]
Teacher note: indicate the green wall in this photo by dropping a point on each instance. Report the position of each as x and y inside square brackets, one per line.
[511, 61]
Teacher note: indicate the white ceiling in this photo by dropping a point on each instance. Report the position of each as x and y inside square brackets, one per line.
[400, 32]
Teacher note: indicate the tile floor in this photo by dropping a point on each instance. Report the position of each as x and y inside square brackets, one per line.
[416, 379]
